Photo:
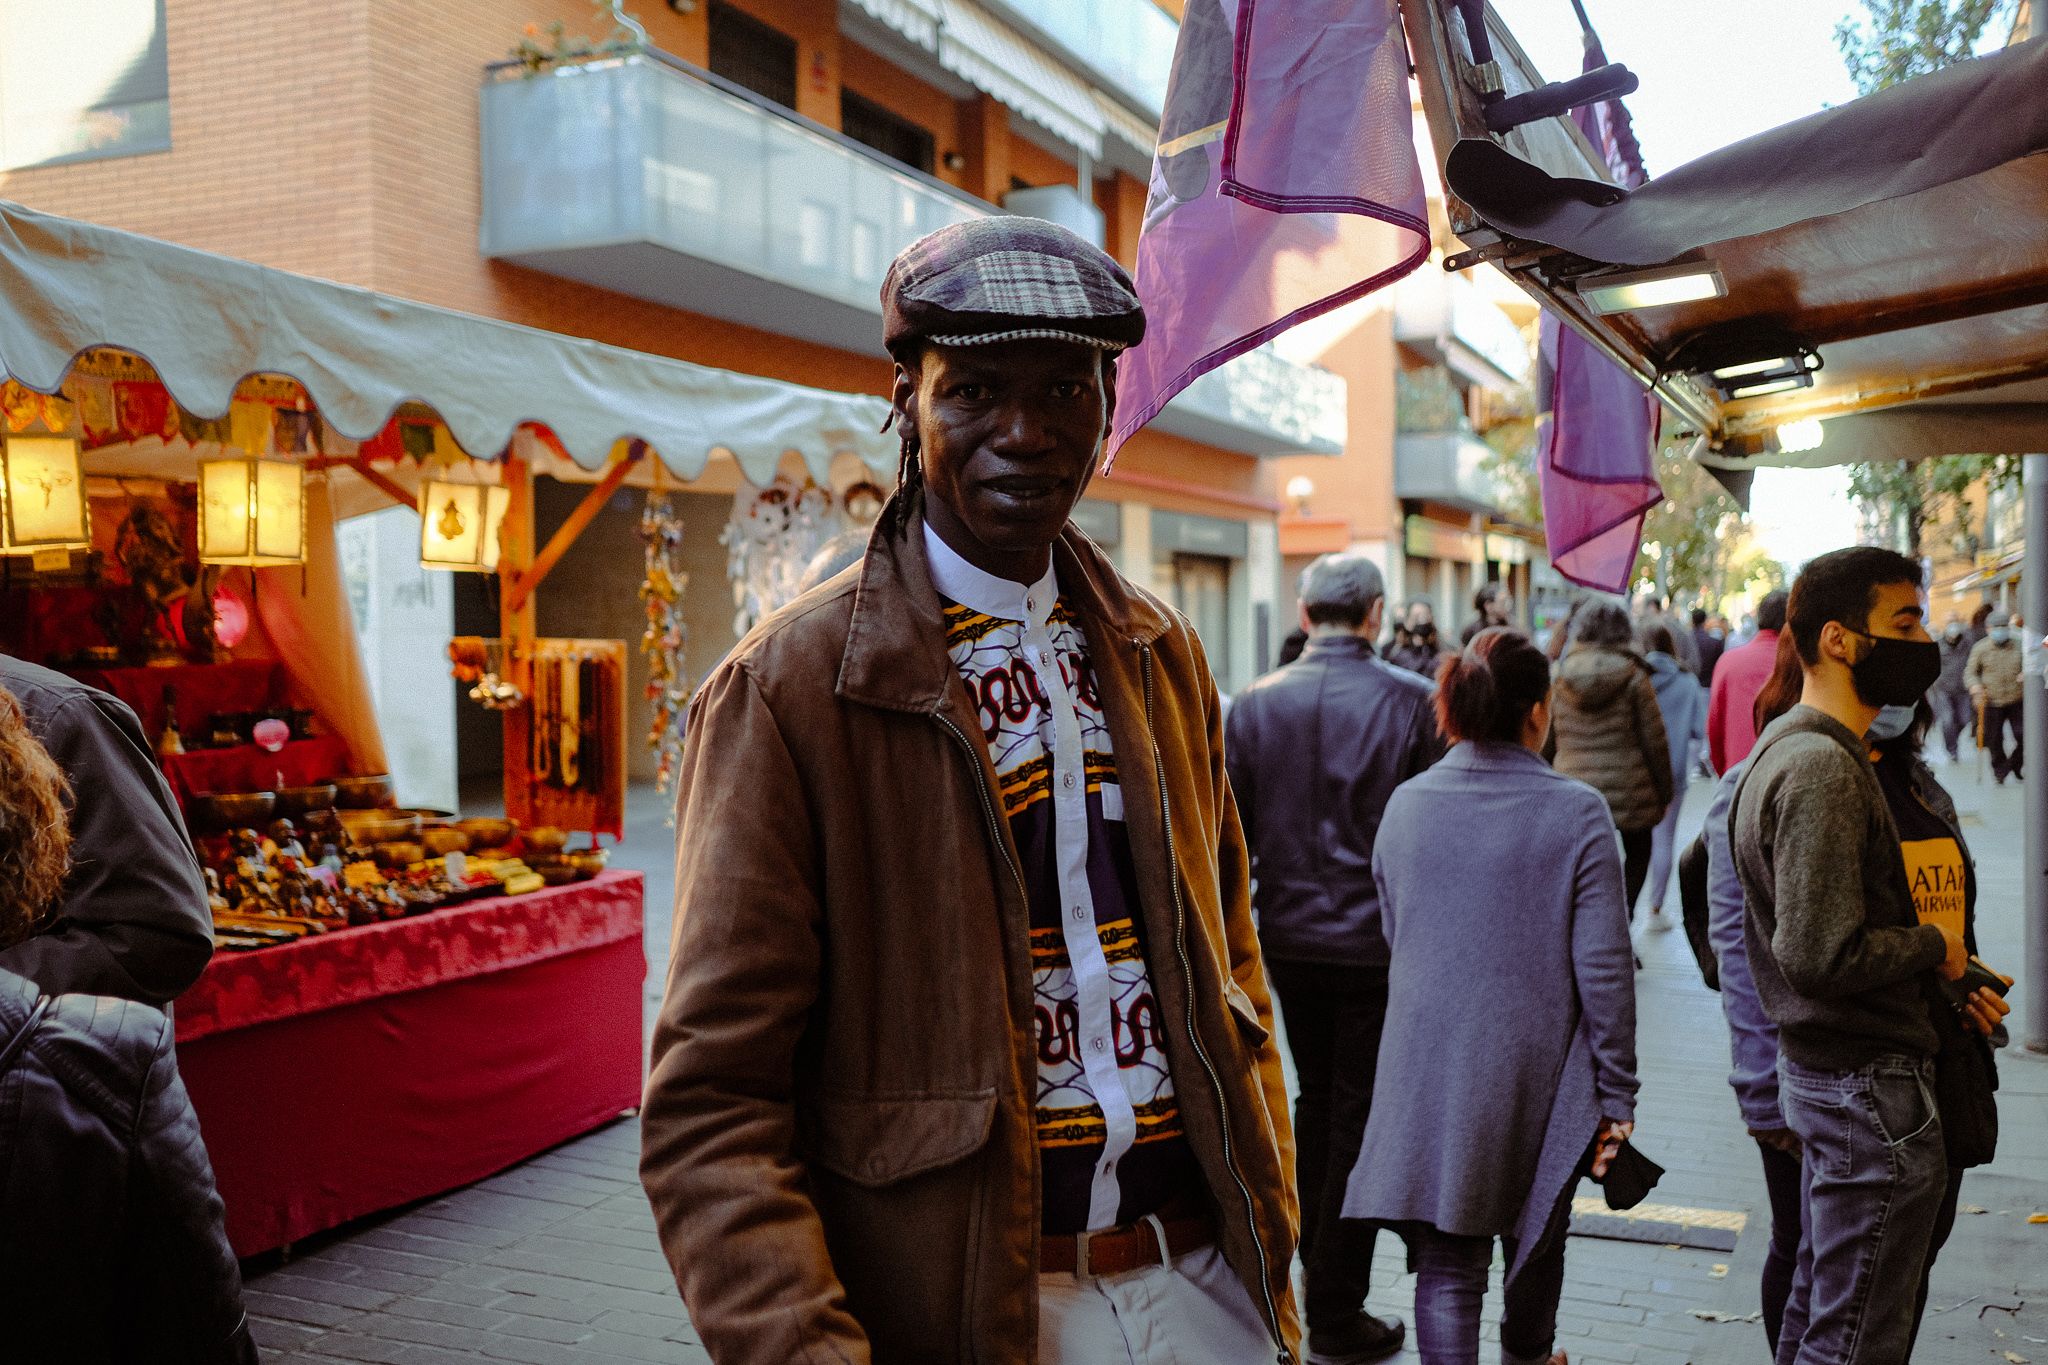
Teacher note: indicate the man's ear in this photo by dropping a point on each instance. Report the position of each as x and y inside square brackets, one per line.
[1835, 643]
[903, 396]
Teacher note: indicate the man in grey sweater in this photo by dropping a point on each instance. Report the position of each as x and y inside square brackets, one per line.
[1844, 966]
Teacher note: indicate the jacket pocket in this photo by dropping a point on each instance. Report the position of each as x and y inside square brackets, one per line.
[1246, 1014]
[877, 1140]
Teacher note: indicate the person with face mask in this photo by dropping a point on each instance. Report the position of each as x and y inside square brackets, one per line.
[1995, 678]
[1420, 651]
[1843, 962]
[1951, 695]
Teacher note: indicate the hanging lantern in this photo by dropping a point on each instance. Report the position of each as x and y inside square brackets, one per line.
[252, 512]
[459, 525]
[42, 496]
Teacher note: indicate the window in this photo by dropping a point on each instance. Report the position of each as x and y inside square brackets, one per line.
[890, 134]
[82, 80]
[748, 52]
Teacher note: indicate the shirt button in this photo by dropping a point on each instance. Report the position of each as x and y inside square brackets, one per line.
[1098, 1045]
[1078, 913]
[1031, 604]
[1067, 781]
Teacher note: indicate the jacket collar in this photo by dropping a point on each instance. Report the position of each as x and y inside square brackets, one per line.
[895, 655]
[1351, 646]
[1486, 755]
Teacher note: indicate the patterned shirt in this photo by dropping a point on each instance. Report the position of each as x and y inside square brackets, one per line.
[1109, 1133]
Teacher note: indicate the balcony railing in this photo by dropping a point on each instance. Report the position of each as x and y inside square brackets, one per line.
[1450, 467]
[645, 176]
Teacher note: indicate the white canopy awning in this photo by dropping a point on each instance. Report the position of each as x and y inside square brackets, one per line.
[994, 58]
[204, 322]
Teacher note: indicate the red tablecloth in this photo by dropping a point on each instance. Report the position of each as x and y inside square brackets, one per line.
[204, 690]
[368, 1068]
[252, 768]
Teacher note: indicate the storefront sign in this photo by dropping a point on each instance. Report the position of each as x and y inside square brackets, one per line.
[1506, 549]
[1426, 539]
[1183, 533]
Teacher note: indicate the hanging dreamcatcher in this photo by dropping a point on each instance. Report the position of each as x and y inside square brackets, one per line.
[769, 541]
[667, 635]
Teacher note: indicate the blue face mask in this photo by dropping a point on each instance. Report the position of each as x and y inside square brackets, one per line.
[1891, 722]
[2002, 635]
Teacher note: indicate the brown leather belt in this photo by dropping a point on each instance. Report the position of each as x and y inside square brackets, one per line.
[1118, 1251]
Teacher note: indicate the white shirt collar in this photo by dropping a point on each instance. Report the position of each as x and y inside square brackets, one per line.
[979, 590]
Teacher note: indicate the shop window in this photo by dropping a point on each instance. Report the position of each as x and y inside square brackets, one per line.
[748, 52]
[890, 134]
[82, 80]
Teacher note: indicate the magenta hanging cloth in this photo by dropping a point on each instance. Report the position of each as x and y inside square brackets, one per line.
[1285, 184]
[1598, 476]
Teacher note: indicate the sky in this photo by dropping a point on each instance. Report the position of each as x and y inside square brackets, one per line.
[1714, 72]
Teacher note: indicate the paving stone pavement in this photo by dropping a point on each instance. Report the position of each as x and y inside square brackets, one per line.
[554, 1262]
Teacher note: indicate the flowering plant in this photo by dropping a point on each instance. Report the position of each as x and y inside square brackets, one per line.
[543, 46]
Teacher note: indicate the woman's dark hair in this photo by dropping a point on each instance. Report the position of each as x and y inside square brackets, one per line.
[1657, 639]
[1603, 623]
[1906, 745]
[35, 833]
[1487, 691]
[1840, 586]
[1781, 692]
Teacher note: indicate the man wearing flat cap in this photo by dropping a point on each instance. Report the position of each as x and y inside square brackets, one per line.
[964, 1055]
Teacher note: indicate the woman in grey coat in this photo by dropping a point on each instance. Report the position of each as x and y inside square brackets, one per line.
[1484, 1115]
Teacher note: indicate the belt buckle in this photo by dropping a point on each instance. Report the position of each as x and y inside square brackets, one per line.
[1082, 1241]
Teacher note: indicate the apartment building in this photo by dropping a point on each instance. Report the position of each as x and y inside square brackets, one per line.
[1433, 364]
[727, 190]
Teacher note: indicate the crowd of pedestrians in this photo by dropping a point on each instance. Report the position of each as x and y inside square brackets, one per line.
[968, 1042]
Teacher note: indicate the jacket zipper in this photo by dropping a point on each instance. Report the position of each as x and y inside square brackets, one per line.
[995, 830]
[1187, 971]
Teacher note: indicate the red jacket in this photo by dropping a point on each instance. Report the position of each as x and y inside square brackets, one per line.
[1731, 704]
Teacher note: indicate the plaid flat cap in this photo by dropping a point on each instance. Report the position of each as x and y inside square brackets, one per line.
[1007, 278]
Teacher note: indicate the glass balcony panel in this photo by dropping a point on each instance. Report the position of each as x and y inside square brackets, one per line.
[637, 176]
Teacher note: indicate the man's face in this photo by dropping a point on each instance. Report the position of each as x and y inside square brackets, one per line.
[1895, 614]
[1008, 434]
[1418, 617]
[1504, 607]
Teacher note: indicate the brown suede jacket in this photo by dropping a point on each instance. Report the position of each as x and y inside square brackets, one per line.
[838, 1138]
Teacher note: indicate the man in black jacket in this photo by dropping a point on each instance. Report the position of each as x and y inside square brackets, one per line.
[1314, 751]
[133, 921]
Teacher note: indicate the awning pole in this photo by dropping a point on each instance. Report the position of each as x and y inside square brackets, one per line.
[517, 628]
[2034, 715]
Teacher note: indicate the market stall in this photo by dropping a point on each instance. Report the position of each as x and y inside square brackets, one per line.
[402, 1000]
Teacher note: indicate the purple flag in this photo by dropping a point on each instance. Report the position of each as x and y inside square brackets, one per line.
[1285, 184]
[1598, 476]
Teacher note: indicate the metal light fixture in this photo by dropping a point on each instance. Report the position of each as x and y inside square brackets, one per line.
[1627, 291]
[252, 513]
[459, 525]
[1804, 434]
[1783, 384]
[42, 496]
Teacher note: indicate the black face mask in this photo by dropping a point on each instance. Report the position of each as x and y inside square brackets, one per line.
[1894, 672]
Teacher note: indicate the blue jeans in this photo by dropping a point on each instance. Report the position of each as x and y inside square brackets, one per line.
[1873, 1177]
[1450, 1288]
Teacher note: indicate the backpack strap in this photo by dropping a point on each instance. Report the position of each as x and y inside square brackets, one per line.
[22, 1034]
